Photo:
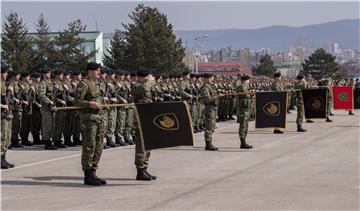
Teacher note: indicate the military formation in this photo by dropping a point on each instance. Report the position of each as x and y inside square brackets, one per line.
[30, 105]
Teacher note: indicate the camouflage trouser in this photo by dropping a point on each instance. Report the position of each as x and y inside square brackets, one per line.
[141, 156]
[300, 114]
[329, 107]
[5, 134]
[59, 125]
[210, 122]
[129, 123]
[47, 123]
[243, 122]
[221, 107]
[76, 122]
[111, 122]
[193, 112]
[93, 131]
[200, 109]
[69, 116]
[230, 106]
[25, 125]
[16, 124]
[35, 122]
[120, 123]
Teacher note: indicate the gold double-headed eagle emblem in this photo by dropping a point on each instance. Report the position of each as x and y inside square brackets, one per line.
[167, 121]
[272, 108]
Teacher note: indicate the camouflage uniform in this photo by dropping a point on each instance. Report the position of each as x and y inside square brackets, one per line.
[211, 102]
[17, 115]
[6, 122]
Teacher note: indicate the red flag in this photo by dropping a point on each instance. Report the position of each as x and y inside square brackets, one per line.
[343, 97]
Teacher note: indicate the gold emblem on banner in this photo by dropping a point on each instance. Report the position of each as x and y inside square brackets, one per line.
[315, 103]
[166, 121]
[272, 108]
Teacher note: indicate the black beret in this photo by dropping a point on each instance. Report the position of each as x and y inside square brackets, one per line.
[14, 73]
[192, 75]
[25, 74]
[143, 72]
[84, 74]
[93, 66]
[120, 72]
[110, 72]
[126, 73]
[299, 77]
[245, 77]
[4, 69]
[185, 73]
[45, 70]
[208, 75]
[66, 73]
[276, 75]
[165, 75]
[35, 75]
[75, 73]
[133, 74]
[58, 72]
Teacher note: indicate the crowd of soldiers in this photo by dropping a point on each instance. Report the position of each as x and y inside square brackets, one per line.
[30, 104]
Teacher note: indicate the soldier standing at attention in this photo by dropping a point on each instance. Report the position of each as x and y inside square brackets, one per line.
[17, 110]
[277, 87]
[209, 95]
[6, 118]
[244, 106]
[25, 89]
[36, 114]
[142, 93]
[301, 84]
[60, 101]
[186, 92]
[92, 120]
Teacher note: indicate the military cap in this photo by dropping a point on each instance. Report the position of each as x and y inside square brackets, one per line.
[65, 73]
[245, 77]
[4, 69]
[110, 72]
[126, 73]
[165, 76]
[143, 72]
[45, 70]
[192, 75]
[208, 75]
[93, 66]
[299, 77]
[75, 73]
[35, 75]
[14, 73]
[185, 73]
[133, 74]
[84, 74]
[25, 74]
[58, 72]
[120, 72]
[276, 75]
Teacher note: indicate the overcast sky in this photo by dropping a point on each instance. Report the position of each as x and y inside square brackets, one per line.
[185, 15]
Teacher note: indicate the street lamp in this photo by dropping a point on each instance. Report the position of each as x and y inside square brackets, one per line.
[196, 59]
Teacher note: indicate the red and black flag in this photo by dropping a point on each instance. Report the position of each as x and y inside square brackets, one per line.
[165, 124]
[343, 97]
[271, 108]
[357, 98]
[315, 103]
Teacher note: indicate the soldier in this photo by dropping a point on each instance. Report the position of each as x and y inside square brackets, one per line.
[112, 112]
[244, 106]
[6, 117]
[308, 83]
[211, 102]
[142, 94]
[129, 81]
[186, 92]
[75, 120]
[300, 85]
[352, 84]
[25, 90]
[88, 95]
[327, 84]
[104, 93]
[69, 115]
[59, 98]
[47, 100]
[120, 93]
[277, 86]
[36, 114]
[17, 112]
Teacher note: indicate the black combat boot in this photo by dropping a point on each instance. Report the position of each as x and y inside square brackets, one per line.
[105, 146]
[278, 131]
[26, 142]
[77, 141]
[331, 114]
[202, 127]
[141, 175]
[147, 173]
[309, 121]
[328, 119]
[351, 113]
[209, 146]
[198, 129]
[37, 140]
[300, 129]
[110, 142]
[3, 159]
[244, 145]
[4, 165]
[90, 179]
[130, 141]
[49, 145]
[120, 142]
[102, 181]
[16, 144]
[59, 144]
[68, 142]
[231, 117]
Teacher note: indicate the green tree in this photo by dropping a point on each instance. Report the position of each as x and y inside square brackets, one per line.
[151, 42]
[265, 68]
[16, 45]
[321, 64]
[70, 47]
[116, 57]
[44, 46]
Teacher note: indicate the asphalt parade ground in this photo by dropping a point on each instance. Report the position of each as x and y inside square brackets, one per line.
[316, 170]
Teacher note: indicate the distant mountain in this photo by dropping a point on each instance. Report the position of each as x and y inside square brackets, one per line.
[277, 38]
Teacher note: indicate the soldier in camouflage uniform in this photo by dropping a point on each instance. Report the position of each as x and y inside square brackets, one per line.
[60, 101]
[17, 112]
[25, 90]
[75, 120]
[244, 106]
[200, 109]
[277, 86]
[88, 95]
[47, 100]
[112, 112]
[120, 94]
[211, 102]
[129, 130]
[70, 114]
[142, 93]
[300, 85]
[6, 117]
[327, 84]
[36, 114]
[103, 91]
[186, 92]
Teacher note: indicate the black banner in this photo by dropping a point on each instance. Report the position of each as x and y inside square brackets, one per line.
[357, 98]
[271, 108]
[315, 103]
[165, 124]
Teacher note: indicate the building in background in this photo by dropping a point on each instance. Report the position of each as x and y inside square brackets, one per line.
[223, 68]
